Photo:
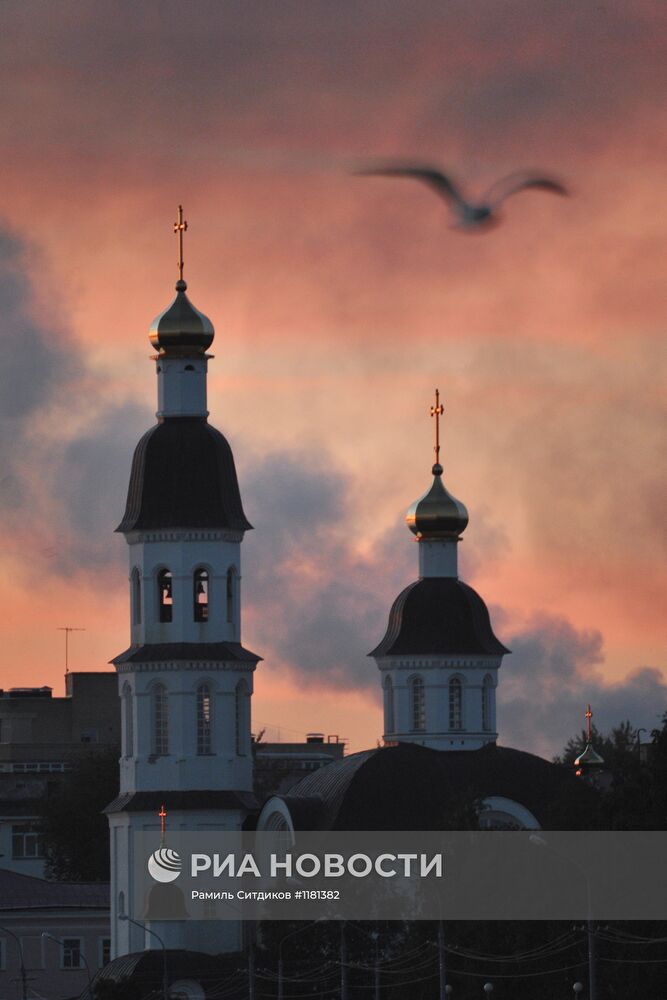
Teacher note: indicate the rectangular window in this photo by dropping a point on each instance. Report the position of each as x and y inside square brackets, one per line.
[105, 952]
[26, 841]
[71, 954]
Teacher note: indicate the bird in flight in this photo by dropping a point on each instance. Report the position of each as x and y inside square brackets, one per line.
[471, 215]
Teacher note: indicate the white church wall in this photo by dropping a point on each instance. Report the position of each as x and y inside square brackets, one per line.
[182, 553]
[436, 674]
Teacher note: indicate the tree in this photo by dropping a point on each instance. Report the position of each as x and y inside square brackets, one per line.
[74, 829]
[636, 798]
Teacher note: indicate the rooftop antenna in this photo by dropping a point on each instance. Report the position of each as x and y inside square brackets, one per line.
[67, 629]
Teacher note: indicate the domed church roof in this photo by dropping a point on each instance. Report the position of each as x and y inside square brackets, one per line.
[437, 514]
[410, 787]
[439, 615]
[183, 476]
[181, 329]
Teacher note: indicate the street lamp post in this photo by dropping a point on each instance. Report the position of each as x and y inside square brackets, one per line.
[45, 934]
[165, 977]
[374, 936]
[24, 980]
[299, 930]
[592, 963]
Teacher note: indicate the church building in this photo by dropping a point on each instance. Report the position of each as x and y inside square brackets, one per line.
[186, 680]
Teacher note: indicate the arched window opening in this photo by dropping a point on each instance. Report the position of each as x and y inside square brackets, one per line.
[242, 722]
[128, 718]
[388, 705]
[165, 595]
[455, 704]
[418, 705]
[230, 593]
[203, 720]
[160, 721]
[136, 596]
[487, 688]
[200, 595]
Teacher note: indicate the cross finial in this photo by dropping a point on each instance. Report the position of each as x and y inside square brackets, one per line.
[437, 411]
[589, 716]
[163, 816]
[180, 227]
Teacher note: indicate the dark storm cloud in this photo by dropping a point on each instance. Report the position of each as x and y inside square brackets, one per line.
[317, 605]
[34, 364]
[554, 671]
[90, 477]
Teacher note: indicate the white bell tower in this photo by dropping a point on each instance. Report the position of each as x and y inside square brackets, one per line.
[185, 681]
[439, 658]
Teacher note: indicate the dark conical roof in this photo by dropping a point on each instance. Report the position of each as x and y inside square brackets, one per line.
[439, 615]
[183, 476]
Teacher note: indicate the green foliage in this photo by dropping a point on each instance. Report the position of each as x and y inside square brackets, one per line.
[75, 831]
[636, 796]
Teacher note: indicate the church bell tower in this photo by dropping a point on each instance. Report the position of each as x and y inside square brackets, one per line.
[439, 657]
[186, 680]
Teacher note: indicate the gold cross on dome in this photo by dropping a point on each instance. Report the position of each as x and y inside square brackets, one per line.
[163, 815]
[588, 717]
[437, 411]
[180, 227]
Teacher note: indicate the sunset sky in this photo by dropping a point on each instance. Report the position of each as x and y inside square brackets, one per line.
[340, 302]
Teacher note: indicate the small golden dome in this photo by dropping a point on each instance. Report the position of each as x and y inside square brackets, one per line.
[437, 514]
[181, 329]
[589, 758]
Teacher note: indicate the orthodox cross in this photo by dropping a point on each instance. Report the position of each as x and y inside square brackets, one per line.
[437, 411]
[163, 815]
[180, 227]
[588, 717]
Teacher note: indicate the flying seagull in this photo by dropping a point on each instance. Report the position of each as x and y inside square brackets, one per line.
[469, 214]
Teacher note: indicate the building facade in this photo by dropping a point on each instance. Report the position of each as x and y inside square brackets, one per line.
[40, 737]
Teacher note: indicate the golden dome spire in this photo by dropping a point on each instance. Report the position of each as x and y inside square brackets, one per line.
[181, 329]
[437, 514]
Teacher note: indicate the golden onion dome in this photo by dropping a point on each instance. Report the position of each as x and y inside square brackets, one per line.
[181, 329]
[589, 758]
[437, 514]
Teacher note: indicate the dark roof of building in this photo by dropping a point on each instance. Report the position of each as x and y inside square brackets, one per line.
[210, 652]
[192, 799]
[410, 787]
[145, 968]
[439, 615]
[25, 892]
[183, 476]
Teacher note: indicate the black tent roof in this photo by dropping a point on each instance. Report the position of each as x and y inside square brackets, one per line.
[439, 615]
[183, 476]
